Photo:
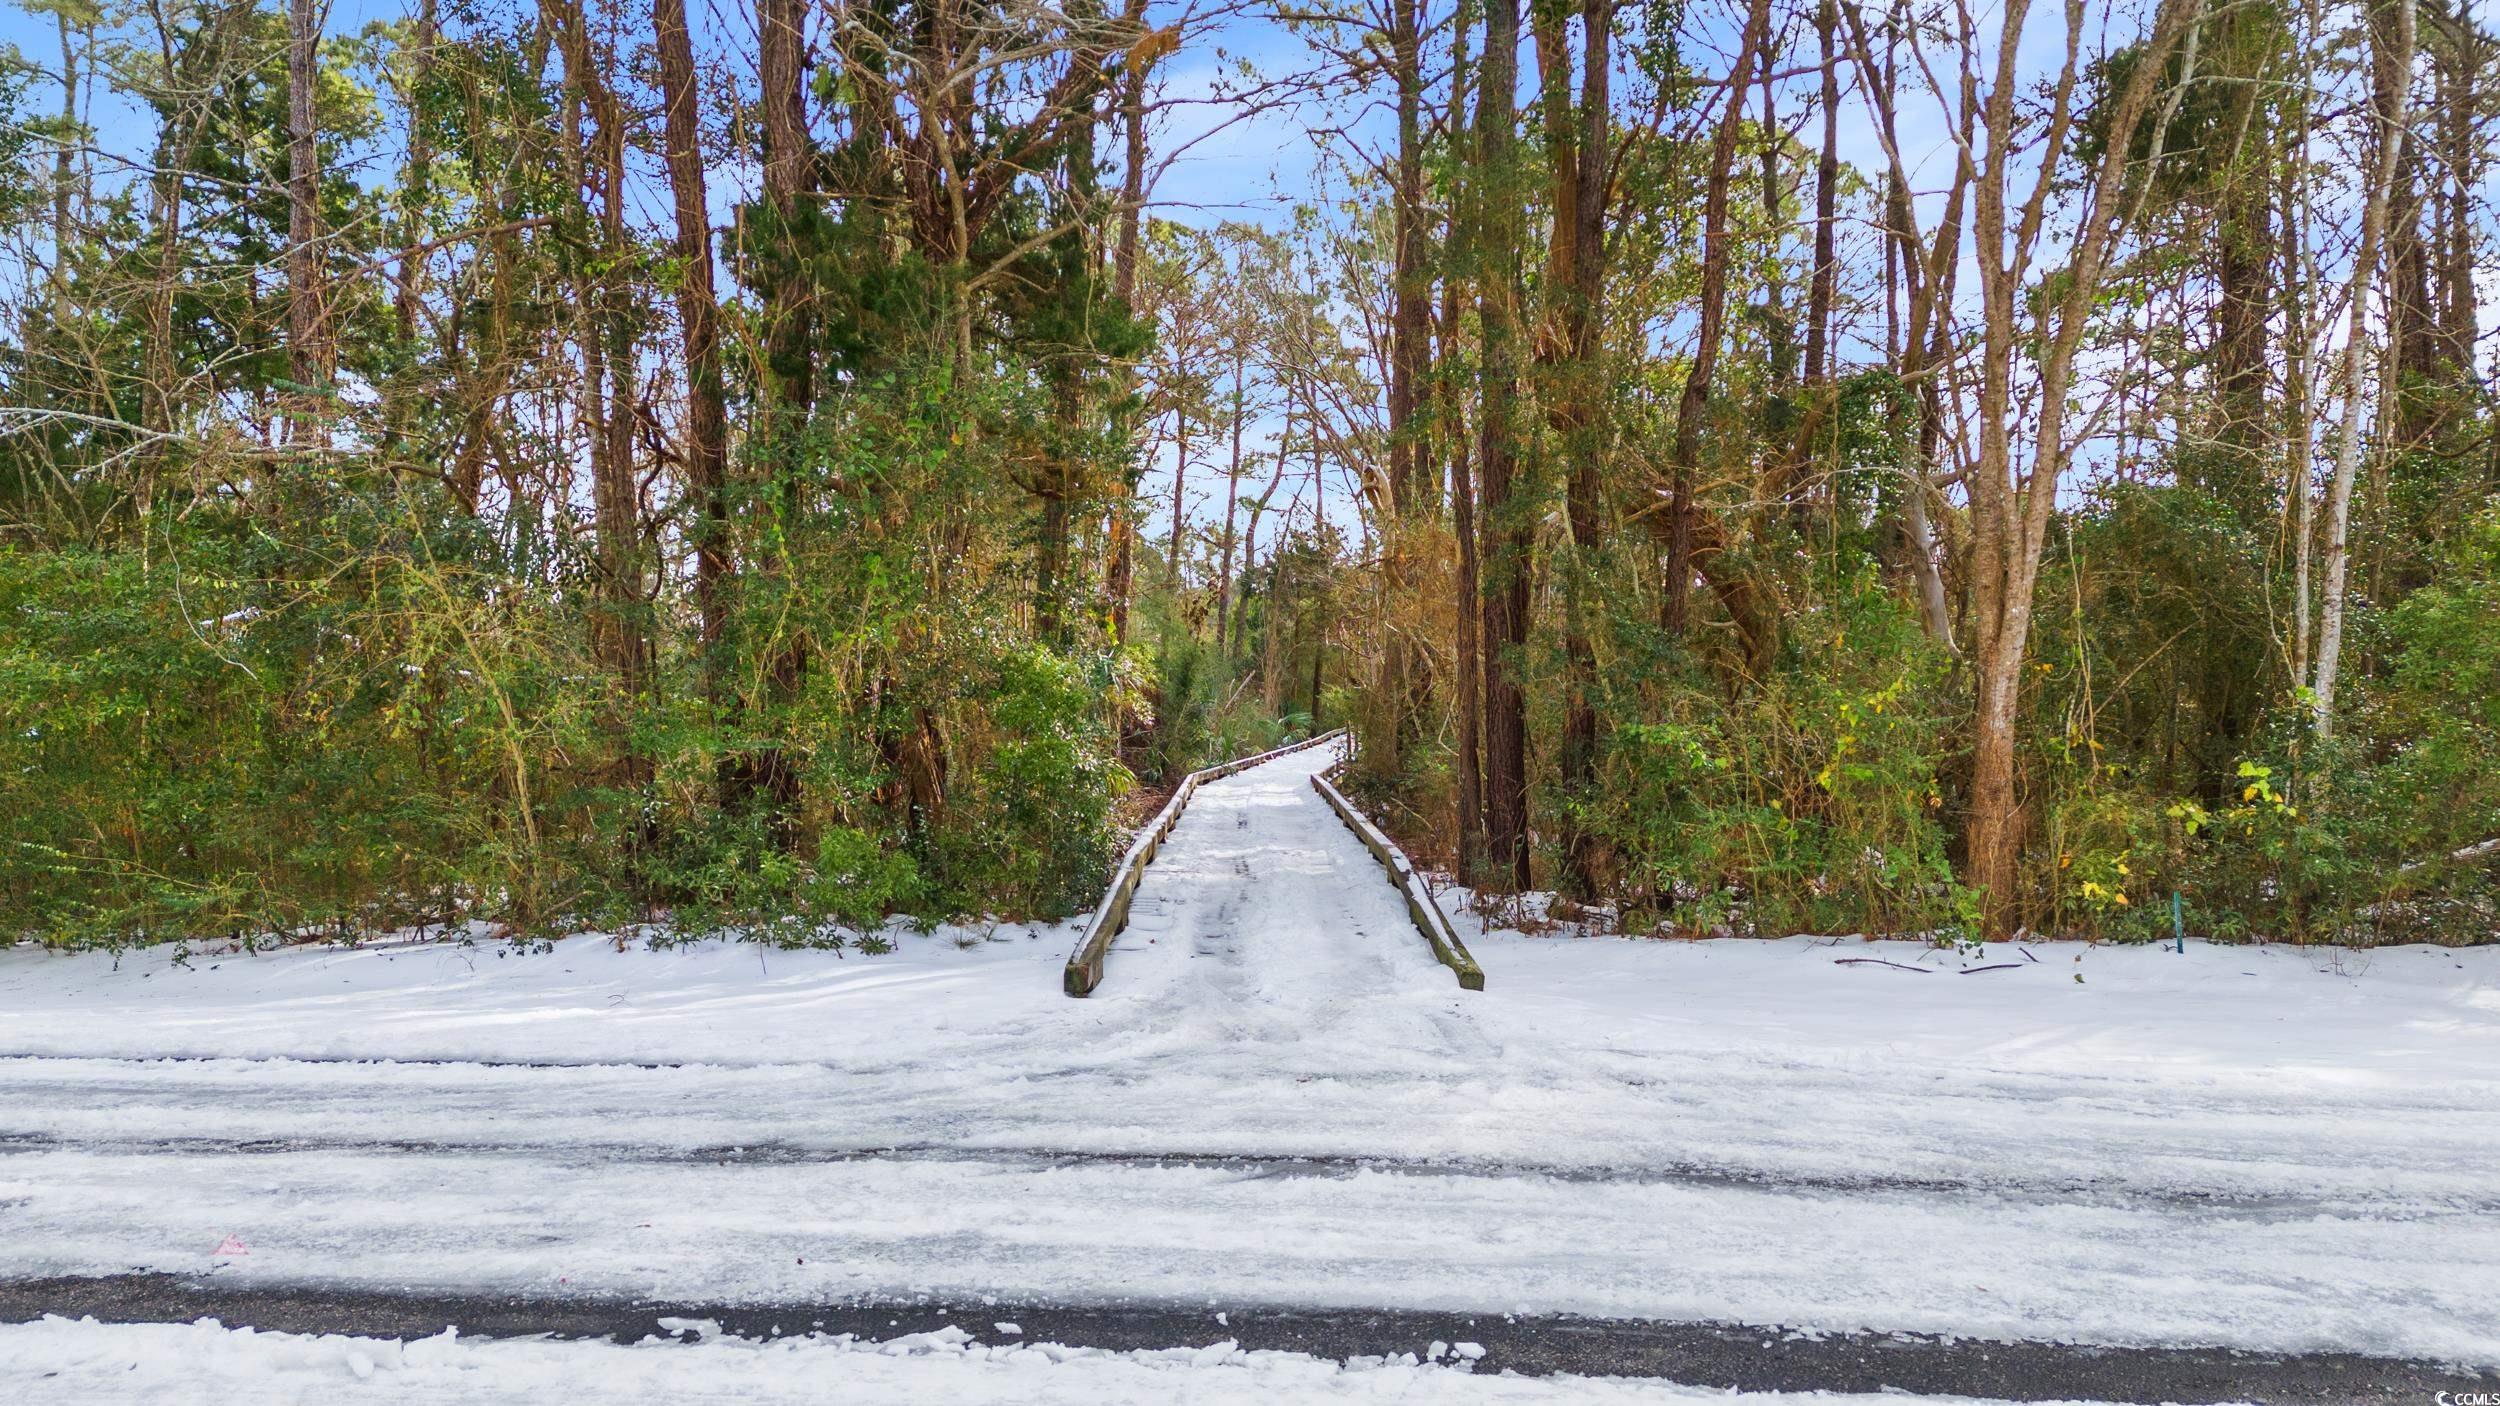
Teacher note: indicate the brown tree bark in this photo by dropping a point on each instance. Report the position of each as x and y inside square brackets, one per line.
[789, 177]
[2243, 265]
[1509, 524]
[2412, 328]
[1450, 408]
[308, 355]
[1232, 503]
[1579, 145]
[787, 379]
[1062, 483]
[1119, 580]
[698, 322]
[2244, 268]
[65, 157]
[1925, 270]
[1819, 369]
[605, 393]
[1180, 485]
[1250, 556]
[2413, 324]
[1404, 676]
[2011, 503]
[1779, 329]
[412, 231]
[1410, 326]
[177, 140]
[2463, 55]
[1684, 458]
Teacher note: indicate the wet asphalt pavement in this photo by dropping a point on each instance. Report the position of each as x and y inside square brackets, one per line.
[1697, 1354]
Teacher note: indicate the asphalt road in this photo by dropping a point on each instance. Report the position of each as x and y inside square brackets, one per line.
[1700, 1354]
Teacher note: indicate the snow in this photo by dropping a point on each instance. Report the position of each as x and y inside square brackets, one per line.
[1277, 1097]
[56, 1362]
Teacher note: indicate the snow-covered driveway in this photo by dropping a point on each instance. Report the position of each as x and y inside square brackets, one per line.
[1278, 1100]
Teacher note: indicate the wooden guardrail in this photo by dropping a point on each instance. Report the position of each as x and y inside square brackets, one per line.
[1084, 971]
[1426, 913]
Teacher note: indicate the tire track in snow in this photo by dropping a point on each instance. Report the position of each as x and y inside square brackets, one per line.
[775, 1232]
[1319, 1166]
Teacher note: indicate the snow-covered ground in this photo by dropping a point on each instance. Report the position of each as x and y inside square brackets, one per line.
[201, 1364]
[1277, 1097]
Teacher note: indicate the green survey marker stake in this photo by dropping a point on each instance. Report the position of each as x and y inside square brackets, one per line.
[2178, 923]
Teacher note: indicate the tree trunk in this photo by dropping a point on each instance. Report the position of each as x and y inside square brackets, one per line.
[1926, 269]
[1232, 500]
[1065, 484]
[1403, 672]
[2243, 264]
[698, 320]
[413, 182]
[789, 176]
[2412, 330]
[2464, 52]
[1469, 843]
[1819, 424]
[1579, 146]
[308, 361]
[1180, 483]
[1250, 557]
[594, 160]
[2393, 34]
[1119, 582]
[1826, 204]
[1272, 680]
[1508, 512]
[787, 383]
[2244, 269]
[2299, 433]
[64, 156]
[1778, 328]
[1319, 661]
[2012, 503]
[1049, 563]
[1684, 458]
[1450, 406]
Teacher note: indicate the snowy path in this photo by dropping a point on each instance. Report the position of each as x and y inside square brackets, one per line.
[1278, 1099]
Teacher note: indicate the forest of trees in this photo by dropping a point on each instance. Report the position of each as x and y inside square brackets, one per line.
[1772, 466]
